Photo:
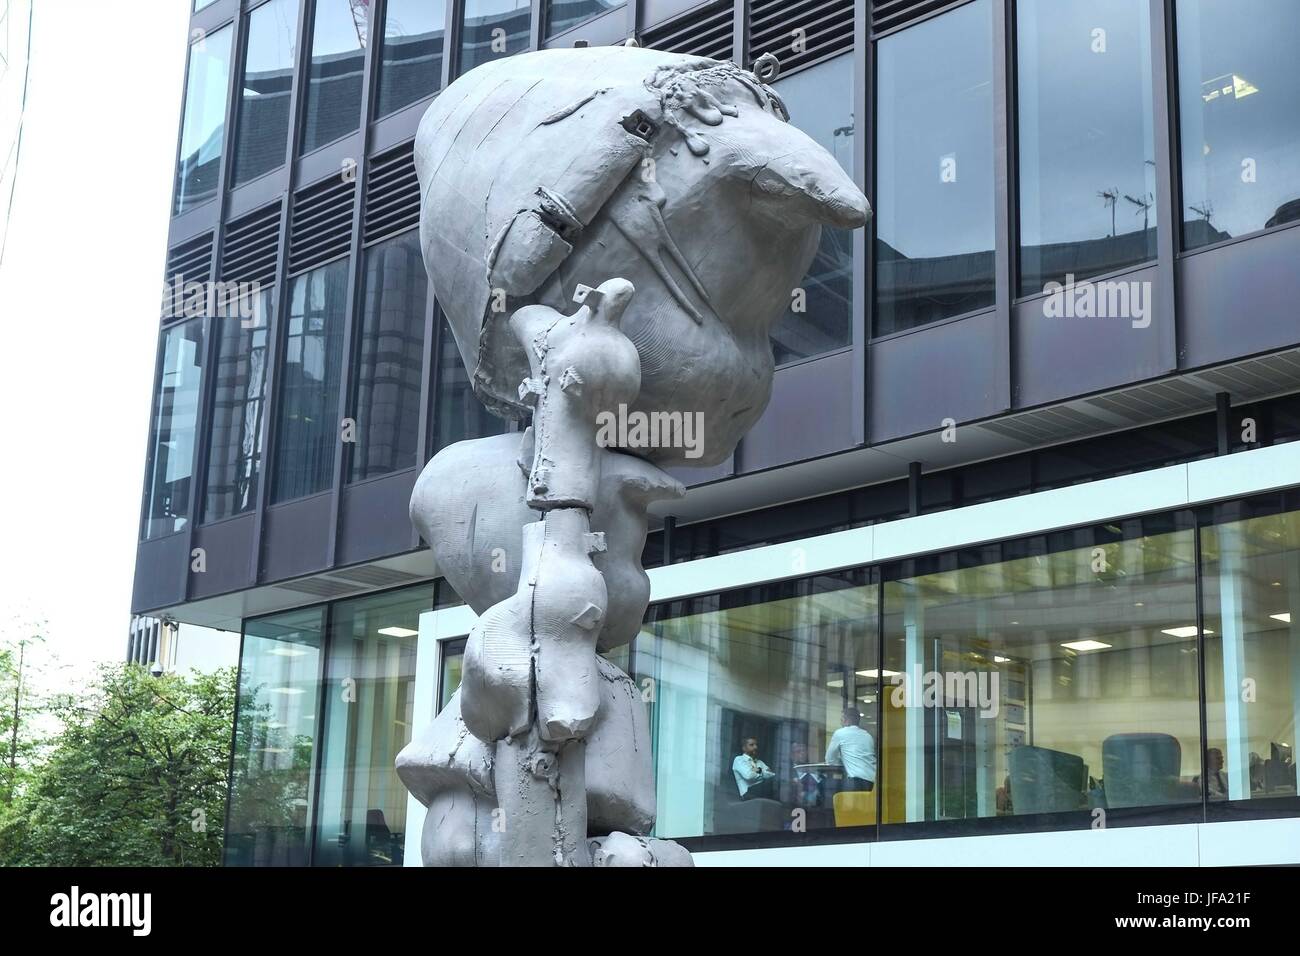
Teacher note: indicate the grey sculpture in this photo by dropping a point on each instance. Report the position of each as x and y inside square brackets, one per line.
[670, 199]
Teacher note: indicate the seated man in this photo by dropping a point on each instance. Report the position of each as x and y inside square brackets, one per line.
[852, 748]
[754, 779]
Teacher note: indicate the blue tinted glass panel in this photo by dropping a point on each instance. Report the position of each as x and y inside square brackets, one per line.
[203, 127]
[338, 56]
[934, 170]
[309, 430]
[562, 15]
[262, 130]
[170, 467]
[492, 29]
[1238, 90]
[1087, 155]
[412, 53]
[820, 101]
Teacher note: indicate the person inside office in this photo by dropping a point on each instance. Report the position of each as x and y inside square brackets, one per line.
[754, 779]
[853, 748]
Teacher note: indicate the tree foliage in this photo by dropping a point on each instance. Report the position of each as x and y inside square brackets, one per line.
[136, 776]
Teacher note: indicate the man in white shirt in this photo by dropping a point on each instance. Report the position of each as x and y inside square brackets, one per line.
[853, 749]
[754, 778]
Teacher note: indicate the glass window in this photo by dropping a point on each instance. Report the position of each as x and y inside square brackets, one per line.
[308, 428]
[235, 446]
[1238, 85]
[453, 666]
[934, 170]
[461, 415]
[386, 403]
[369, 707]
[203, 127]
[411, 62]
[492, 29]
[275, 733]
[1061, 679]
[338, 58]
[176, 411]
[764, 711]
[820, 101]
[263, 127]
[1251, 583]
[200, 4]
[1087, 154]
[562, 15]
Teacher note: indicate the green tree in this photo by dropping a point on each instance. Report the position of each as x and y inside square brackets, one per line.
[136, 777]
[21, 707]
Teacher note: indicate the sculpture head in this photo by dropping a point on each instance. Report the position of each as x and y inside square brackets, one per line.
[561, 168]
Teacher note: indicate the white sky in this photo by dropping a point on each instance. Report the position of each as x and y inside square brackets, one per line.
[80, 286]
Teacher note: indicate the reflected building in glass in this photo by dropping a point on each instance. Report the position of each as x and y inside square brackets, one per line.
[985, 566]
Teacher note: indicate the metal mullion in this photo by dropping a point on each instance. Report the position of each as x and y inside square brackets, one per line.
[535, 31]
[280, 300]
[1164, 96]
[633, 10]
[352, 320]
[207, 385]
[234, 739]
[318, 727]
[425, 439]
[863, 140]
[1004, 198]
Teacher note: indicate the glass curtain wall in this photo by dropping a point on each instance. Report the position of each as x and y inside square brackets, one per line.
[1087, 148]
[308, 429]
[751, 690]
[203, 126]
[262, 129]
[460, 414]
[1238, 86]
[238, 408]
[170, 466]
[369, 705]
[1251, 585]
[271, 799]
[411, 57]
[820, 101]
[338, 57]
[386, 399]
[1063, 677]
[491, 29]
[934, 170]
[563, 15]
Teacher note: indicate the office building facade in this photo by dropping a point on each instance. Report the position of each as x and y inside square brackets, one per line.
[1026, 496]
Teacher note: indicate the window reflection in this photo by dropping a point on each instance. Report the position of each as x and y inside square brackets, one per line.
[1251, 575]
[750, 689]
[413, 47]
[203, 127]
[308, 428]
[368, 713]
[338, 44]
[461, 415]
[934, 170]
[820, 101]
[1055, 681]
[176, 410]
[235, 449]
[491, 29]
[263, 126]
[275, 733]
[386, 403]
[1087, 156]
[562, 15]
[1238, 85]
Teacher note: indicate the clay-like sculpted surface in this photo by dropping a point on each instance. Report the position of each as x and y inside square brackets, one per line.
[612, 233]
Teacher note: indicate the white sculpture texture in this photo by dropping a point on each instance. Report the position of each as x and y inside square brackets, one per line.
[671, 200]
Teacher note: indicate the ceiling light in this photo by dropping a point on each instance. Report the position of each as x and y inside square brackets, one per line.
[288, 651]
[875, 673]
[838, 682]
[1086, 645]
[290, 691]
[1001, 660]
[1186, 631]
[398, 632]
[1284, 617]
